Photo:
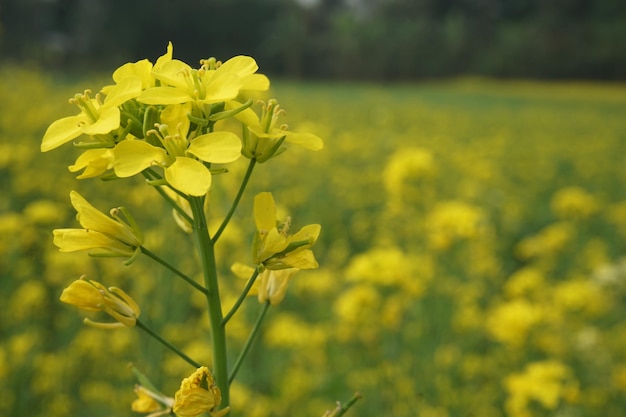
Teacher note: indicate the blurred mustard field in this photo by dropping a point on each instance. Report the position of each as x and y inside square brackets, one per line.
[472, 258]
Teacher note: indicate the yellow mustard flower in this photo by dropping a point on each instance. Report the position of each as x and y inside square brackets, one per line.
[98, 117]
[510, 322]
[93, 162]
[452, 221]
[110, 235]
[263, 139]
[573, 203]
[546, 382]
[95, 119]
[181, 156]
[198, 394]
[155, 404]
[130, 79]
[273, 247]
[93, 296]
[134, 77]
[270, 286]
[214, 82]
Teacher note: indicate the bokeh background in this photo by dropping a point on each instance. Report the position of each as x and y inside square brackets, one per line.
[472, 194]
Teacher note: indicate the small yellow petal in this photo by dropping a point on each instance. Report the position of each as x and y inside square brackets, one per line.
[264, 212]
[83, 295]
[221, 87]
[108, 120]
[62, 131]
[133, 156]
[126, 89]
[94, 162]
[306, 140]
[189, 176]
[216, 147]
[164, 95]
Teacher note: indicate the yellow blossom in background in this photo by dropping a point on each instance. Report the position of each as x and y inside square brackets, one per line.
[548, 242]
[573, 203]
[451, 221]
[144, 403]
[509, 322]
[524, 282]
[546, 383]
[198, 394]
[391, 267]
[407, 165]
[358, 312]
[111, 236]
[93, 296]
[151, 403]
[580, 295]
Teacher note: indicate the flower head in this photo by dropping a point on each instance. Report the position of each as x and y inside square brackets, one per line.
[109, 235]
[198, 394]
[93, 296]
[95, 119]
[148, 401]
[270, 285]
[181, 154]
[273, 247]
[263, 138]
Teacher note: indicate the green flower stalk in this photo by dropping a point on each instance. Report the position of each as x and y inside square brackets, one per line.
[173, 125]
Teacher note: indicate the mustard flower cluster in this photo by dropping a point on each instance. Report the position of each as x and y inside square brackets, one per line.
[166, 120]
[178, 127]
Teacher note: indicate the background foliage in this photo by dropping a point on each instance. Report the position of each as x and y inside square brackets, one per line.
[472, 257]
[338, 39]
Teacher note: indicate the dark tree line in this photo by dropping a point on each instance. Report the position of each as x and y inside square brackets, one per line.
[336, 39]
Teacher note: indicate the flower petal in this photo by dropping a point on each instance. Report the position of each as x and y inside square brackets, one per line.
[172, 73]
[73, 240]
[300, 259]
[241, 65]
[256, 82]
[83, 295]
[133, 156]
[164, 95]
[220, 87]
[216, 147]
[94, 220]
[62, 131]
[306, 140]
[264, 212]
[175, 117]
[126, 89]
[94, 162]
[108, 120]
[189, 176]
[309, 232]
[139, 69]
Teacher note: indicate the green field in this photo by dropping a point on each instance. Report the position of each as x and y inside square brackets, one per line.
[472, 257]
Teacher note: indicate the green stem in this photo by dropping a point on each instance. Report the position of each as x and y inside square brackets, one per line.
[173, 269]
[209, 268]
[242, 297]
[251, 337]
[151, 175]
[342, 408]
[233, 207]
[167, 344]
